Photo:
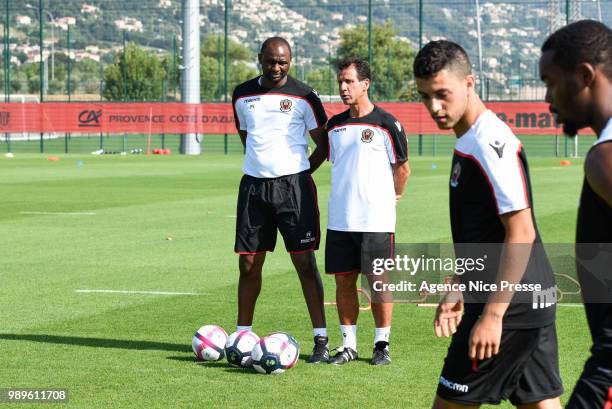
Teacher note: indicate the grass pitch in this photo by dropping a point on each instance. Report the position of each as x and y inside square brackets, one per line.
[103, 223]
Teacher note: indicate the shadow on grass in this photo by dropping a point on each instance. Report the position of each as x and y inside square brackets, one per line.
[222, 363]
[217, 364]
[98, 342]
[304, 358]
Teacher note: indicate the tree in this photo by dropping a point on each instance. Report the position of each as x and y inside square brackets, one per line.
[136, 75]
[323, 80]
[86, 76]
[392, 59]
[240, 59]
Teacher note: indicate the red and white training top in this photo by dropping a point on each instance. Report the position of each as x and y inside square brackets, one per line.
[489, 178]
[361, 151]
[277, 121]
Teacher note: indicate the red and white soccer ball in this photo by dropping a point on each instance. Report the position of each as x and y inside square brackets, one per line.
[275, 353]
[239, 346]
[208, 343]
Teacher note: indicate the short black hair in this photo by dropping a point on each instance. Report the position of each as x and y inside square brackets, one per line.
[274, 40]
[438, 55]
[584, 41]
[361, 66]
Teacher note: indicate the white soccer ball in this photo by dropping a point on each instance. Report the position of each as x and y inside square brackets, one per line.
[208, 343]
[275, 353]
[239, 346]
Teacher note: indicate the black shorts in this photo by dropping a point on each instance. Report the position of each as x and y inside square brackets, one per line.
[526, 369]
[346, 252]
[287, 203]
[594, 388]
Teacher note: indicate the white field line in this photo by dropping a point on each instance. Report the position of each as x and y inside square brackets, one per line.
[61, 213]
[131, 292]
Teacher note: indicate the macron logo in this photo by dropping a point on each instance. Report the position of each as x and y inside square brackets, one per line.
[453, 386]
[498, 147]
[399, 126]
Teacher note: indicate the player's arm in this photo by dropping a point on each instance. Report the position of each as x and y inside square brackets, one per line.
[520, 234]
[401, 172]
[597, 170]
[318, 156]
[239, 120]
[243, 136]
[397, 151]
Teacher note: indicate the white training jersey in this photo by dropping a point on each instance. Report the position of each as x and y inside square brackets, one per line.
[277, 121]
[361, 151]
[606, 133]
[490, 177]
[490, 146]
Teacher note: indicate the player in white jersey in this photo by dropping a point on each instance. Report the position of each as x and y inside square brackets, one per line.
[369, 155]
[576, 65]
[504, 345]
[274, 114]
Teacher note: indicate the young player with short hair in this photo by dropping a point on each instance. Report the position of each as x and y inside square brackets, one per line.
[500, 349]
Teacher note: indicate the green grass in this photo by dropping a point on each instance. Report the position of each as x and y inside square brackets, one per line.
[113, 350]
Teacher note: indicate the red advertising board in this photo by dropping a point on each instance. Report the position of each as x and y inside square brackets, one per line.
[525, 118]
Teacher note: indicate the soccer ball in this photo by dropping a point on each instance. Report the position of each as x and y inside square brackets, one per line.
[238, 348]
[275, 353]
[287, 338]
[208, 343]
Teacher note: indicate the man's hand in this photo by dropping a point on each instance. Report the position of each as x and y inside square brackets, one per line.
[485, 337]
[448, 314]
[318, 156]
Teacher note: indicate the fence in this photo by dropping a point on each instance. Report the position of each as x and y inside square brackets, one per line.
[80, 40]
[62, 51]
[70, 125]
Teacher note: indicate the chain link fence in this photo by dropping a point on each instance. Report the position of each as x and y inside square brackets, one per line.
[79, 41]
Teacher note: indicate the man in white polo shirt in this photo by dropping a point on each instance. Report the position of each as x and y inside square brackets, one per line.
[274, 114]
[369, 155]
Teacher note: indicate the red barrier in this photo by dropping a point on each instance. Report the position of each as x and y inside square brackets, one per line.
[525, 118]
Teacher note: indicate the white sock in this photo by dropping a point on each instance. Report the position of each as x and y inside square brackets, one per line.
[382, 334]
[349, 336]
[244, 328]
[319, 332]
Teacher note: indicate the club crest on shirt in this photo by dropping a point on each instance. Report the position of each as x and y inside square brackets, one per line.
[454, 181]
[285, 105]
[367, 135]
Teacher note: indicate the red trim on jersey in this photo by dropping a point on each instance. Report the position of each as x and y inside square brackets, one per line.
[286, 95]
[370, 125]
[318, 233]
[484, 172]
[608, 403]
[474, 365]
[520, 165]
[343, 273]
